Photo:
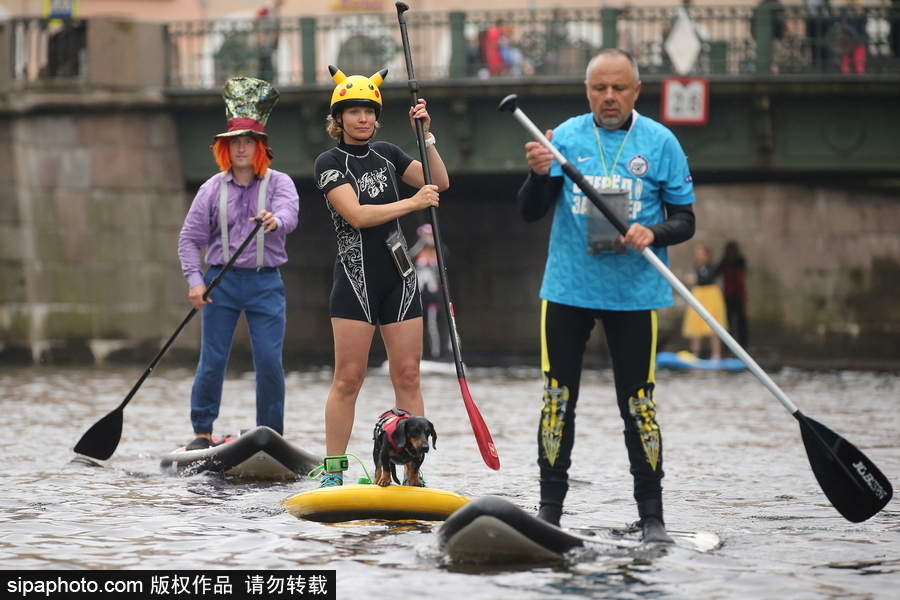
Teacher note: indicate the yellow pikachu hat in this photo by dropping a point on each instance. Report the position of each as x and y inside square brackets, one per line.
[356, 90]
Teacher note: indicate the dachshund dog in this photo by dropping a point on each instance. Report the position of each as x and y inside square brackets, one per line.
[401, 439]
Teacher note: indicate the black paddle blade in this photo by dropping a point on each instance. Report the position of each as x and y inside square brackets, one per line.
[101, 440]
[852, 482]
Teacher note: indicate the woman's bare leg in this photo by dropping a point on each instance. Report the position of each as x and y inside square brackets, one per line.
[403, 342]
[352, 341]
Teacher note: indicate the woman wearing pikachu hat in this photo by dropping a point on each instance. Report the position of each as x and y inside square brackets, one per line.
[374, 280]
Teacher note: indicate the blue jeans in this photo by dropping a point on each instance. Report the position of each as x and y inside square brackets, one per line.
[260, 296]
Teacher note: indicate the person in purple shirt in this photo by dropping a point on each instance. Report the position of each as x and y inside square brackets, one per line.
[220, 218]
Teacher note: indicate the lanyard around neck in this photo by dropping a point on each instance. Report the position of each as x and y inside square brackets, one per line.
[607, 174]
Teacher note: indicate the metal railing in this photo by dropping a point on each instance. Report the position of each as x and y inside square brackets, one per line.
[46, 49]
[534, 43]
[295, 51]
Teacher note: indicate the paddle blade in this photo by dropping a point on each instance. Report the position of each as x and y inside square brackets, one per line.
[852, 482]
[480, 428]
[101, 440]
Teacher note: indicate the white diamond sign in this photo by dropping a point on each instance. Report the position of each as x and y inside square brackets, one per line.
[683, 44]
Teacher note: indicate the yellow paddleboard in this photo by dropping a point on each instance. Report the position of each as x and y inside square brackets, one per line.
[368, 501]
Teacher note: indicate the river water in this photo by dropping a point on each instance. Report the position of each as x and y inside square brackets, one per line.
[735, 465]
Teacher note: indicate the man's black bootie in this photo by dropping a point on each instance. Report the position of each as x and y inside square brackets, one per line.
[551, 513]
[652, 525]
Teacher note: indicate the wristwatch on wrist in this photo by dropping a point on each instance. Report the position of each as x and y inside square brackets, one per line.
[429, 141]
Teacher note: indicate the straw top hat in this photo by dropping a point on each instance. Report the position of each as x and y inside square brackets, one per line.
[248, 103]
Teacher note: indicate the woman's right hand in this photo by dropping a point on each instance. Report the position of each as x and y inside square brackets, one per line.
[427, 196]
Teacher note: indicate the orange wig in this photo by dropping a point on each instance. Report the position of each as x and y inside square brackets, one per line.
[261, 160]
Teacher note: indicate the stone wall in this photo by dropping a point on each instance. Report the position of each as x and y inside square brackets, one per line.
[824, 263]
[91, 201]
[93, 208]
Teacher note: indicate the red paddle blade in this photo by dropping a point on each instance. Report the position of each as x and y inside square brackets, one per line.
[480, 429]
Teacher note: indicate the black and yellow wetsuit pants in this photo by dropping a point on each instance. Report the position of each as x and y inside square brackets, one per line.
[631, 339]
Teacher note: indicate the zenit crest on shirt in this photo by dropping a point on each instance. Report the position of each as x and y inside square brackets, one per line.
[646, 160]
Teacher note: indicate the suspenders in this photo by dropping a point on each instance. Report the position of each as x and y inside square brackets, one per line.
[223, 217]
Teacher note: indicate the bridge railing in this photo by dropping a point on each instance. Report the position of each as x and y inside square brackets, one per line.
[746, 40]
[538, 43]
[43, 49]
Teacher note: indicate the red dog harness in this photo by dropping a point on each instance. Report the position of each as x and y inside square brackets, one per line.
[387, 424]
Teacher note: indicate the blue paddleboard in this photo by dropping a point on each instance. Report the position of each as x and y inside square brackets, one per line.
[685, 361]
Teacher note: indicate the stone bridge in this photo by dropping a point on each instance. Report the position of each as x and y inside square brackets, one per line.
[98, 172]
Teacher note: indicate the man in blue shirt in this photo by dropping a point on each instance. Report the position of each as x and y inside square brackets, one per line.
[220, 219]
[593, 273]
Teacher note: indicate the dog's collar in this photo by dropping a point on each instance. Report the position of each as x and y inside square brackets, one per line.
[387, 423]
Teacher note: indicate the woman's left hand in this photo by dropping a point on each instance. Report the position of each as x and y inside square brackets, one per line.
[419, 112]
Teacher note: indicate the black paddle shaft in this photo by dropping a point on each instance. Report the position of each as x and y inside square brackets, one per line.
[402, 7]
[479, 427]
[102, 439]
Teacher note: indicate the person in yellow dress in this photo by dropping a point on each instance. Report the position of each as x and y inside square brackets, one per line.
[708, 293]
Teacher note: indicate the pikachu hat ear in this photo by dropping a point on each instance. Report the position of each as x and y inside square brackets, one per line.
[356, 90]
